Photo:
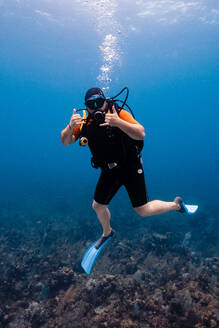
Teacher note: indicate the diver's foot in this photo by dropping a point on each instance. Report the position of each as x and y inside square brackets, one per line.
[103, 238]
[179, 202]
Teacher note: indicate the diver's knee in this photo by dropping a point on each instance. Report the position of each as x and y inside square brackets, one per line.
[98, 207]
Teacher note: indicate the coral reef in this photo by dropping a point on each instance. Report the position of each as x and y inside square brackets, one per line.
[146, 278]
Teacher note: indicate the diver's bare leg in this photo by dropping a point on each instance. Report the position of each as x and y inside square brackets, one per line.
[156, 207]
[103, 215]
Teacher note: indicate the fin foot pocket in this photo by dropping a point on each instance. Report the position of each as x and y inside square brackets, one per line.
[179, 201]
[103, 239]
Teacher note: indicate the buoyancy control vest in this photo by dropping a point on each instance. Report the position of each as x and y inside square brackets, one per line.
[111, 145]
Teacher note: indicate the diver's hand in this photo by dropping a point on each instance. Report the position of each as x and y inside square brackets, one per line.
[76, 119]
[112, 119]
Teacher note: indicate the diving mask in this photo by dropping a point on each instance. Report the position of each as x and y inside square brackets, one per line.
[95, 102]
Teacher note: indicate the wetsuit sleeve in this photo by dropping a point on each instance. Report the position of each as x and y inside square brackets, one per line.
[76, 132]
[124, 115]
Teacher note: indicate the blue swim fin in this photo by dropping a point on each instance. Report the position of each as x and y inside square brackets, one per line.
[185, 208]
[92, 253]
[190, 209]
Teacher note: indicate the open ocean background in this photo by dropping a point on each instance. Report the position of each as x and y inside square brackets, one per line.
[158, 271]
[51, 52]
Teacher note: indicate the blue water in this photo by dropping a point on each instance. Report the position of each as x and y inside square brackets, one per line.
[50, 54]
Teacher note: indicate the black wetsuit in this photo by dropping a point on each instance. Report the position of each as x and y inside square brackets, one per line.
[120, 161]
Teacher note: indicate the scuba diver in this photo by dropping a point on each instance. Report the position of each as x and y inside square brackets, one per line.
[115, 139]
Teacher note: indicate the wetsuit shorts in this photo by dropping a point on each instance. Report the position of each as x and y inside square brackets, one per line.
[132, 178]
